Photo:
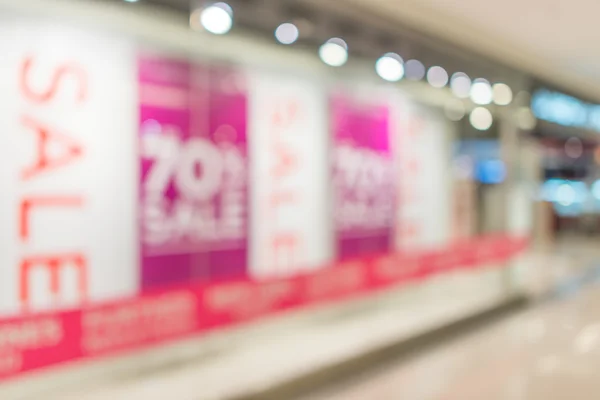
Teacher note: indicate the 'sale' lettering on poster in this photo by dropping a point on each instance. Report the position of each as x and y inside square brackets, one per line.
[362, 177]
[193, 172]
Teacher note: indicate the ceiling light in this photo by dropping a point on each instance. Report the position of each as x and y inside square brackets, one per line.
[334, 52]
[389, 67]
[481, 118]
[481, 92]
[502, 94]
[437, 77]
[414, 70]
[460, 83]
[217, 18]
[287, 33]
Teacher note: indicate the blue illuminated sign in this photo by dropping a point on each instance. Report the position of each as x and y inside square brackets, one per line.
[565, 110]
[485, 155]
[490, 172]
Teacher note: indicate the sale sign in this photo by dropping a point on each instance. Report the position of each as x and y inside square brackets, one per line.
[67, 134]
[363, 177]
[422, 164]
[291, 229]
[193, 193]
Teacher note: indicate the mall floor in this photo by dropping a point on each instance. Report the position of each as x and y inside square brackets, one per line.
[550, 351]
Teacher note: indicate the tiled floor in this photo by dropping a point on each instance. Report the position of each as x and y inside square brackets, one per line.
[542, 354]
[283, 352]
[551, 352]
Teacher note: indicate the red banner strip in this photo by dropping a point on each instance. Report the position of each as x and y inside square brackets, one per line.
[40, 341]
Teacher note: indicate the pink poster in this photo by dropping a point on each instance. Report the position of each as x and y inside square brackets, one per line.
[363, 178]
[194, 168]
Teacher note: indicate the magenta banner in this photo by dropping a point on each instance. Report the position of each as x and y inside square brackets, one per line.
[194, 169]
[363, 178]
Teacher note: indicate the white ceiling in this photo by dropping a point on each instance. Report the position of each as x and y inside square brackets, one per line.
[554, 39]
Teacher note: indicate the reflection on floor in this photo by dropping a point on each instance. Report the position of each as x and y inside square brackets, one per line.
[550, 352]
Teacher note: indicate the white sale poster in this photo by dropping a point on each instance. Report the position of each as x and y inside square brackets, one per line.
[424, 197]
[67, 134]
[290, 196]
